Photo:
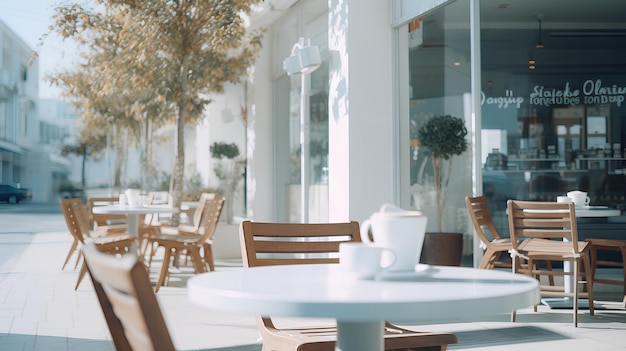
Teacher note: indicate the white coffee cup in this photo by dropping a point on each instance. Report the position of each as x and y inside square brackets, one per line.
[122, 200]
[399, 230]
[361, 261]
[563, 199]
[579, 198]
[132, 197]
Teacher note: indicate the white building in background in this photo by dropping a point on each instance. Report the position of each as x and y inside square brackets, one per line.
[21, 158]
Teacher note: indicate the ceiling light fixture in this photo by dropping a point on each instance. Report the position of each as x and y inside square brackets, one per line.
[539, 42]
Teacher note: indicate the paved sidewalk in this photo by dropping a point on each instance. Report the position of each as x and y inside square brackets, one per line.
[39, 309]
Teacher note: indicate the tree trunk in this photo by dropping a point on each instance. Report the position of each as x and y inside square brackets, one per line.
[178, 175]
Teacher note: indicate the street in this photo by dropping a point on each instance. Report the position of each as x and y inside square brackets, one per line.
[28, 217]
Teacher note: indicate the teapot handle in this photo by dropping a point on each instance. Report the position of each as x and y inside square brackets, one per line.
[365, 229]
[390, 208]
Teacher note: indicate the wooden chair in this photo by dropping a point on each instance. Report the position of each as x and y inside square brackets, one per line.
[196, 244]
[495, 247]
[265, 244]
[76, 219]
[128, 303]
[607, 245]
[114, 222]
[182, 229]
[547, 231]
[73, 249]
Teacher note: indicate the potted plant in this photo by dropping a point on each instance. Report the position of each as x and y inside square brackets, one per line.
[230, 173]
[444, 136]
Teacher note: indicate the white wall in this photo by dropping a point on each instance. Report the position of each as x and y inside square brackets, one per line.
[260, 137]
[362, 162]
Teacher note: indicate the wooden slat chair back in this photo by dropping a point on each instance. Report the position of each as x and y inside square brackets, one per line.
[268, 244]
[265, 244]
[496, 248]
[128, 303]
[99, 220]
[197, 244]
[547, 231]
[77, 221]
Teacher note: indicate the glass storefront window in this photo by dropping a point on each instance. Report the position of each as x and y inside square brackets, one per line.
[552, 109]
[440, 84]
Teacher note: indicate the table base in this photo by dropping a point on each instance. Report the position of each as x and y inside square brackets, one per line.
[564, 303]
[360, 336]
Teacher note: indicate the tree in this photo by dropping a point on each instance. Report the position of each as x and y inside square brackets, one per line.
[444, 136]
[175, 53]
[85, 147]
[229, 172]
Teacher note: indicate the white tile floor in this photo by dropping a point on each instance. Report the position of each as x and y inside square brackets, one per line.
[39, 310]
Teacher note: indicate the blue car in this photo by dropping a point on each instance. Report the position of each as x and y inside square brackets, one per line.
[13, 195]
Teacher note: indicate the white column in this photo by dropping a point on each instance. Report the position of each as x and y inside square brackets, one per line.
[362, 161]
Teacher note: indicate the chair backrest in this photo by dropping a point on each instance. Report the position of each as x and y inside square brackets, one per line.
[76, 218]
[197, 213]
[128, 302]
[264, 244]
[102, 219]
[543, 220]
[481, 218]
[211, 210]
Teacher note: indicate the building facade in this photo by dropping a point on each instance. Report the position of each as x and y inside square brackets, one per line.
[539, 84]
[19, 132]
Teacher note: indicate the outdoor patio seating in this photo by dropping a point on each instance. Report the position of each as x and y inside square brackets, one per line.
[266, 244]
[547, 231]
[128, 303]
[76, 219]
[192, 241]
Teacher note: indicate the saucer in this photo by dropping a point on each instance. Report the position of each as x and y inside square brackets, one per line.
[421, 270]
[592, 207]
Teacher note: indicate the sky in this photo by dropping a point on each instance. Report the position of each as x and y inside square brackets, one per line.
[30, 19]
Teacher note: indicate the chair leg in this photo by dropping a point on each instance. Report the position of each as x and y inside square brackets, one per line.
[81, 275]
[576, 277]
[550, 276]
[78, 259]
[515, 261]
[70, 253]
[164, 269]
[198, 262]
[153, 247]
[208, 256]
[487, 261]
[588, 283]
[623, 251]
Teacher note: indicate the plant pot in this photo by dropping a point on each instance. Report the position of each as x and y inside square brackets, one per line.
[442, 249]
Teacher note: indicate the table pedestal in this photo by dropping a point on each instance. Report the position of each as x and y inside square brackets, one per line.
[132, 224]
[360, 336]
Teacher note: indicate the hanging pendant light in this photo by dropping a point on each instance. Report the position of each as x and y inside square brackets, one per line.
[539, 42]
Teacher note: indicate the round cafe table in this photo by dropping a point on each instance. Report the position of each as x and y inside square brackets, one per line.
[360, 307]
[132, 213]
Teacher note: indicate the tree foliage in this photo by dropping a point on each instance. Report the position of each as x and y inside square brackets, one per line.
[444, 136]
[157, 60]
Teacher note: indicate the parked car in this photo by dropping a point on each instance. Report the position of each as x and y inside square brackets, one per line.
[13, 195]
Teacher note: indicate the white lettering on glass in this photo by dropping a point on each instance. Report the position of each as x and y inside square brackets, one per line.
[502, 101]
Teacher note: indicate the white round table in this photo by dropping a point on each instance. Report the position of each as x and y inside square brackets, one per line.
[132, 213]
[597, 211]
[361, 307]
